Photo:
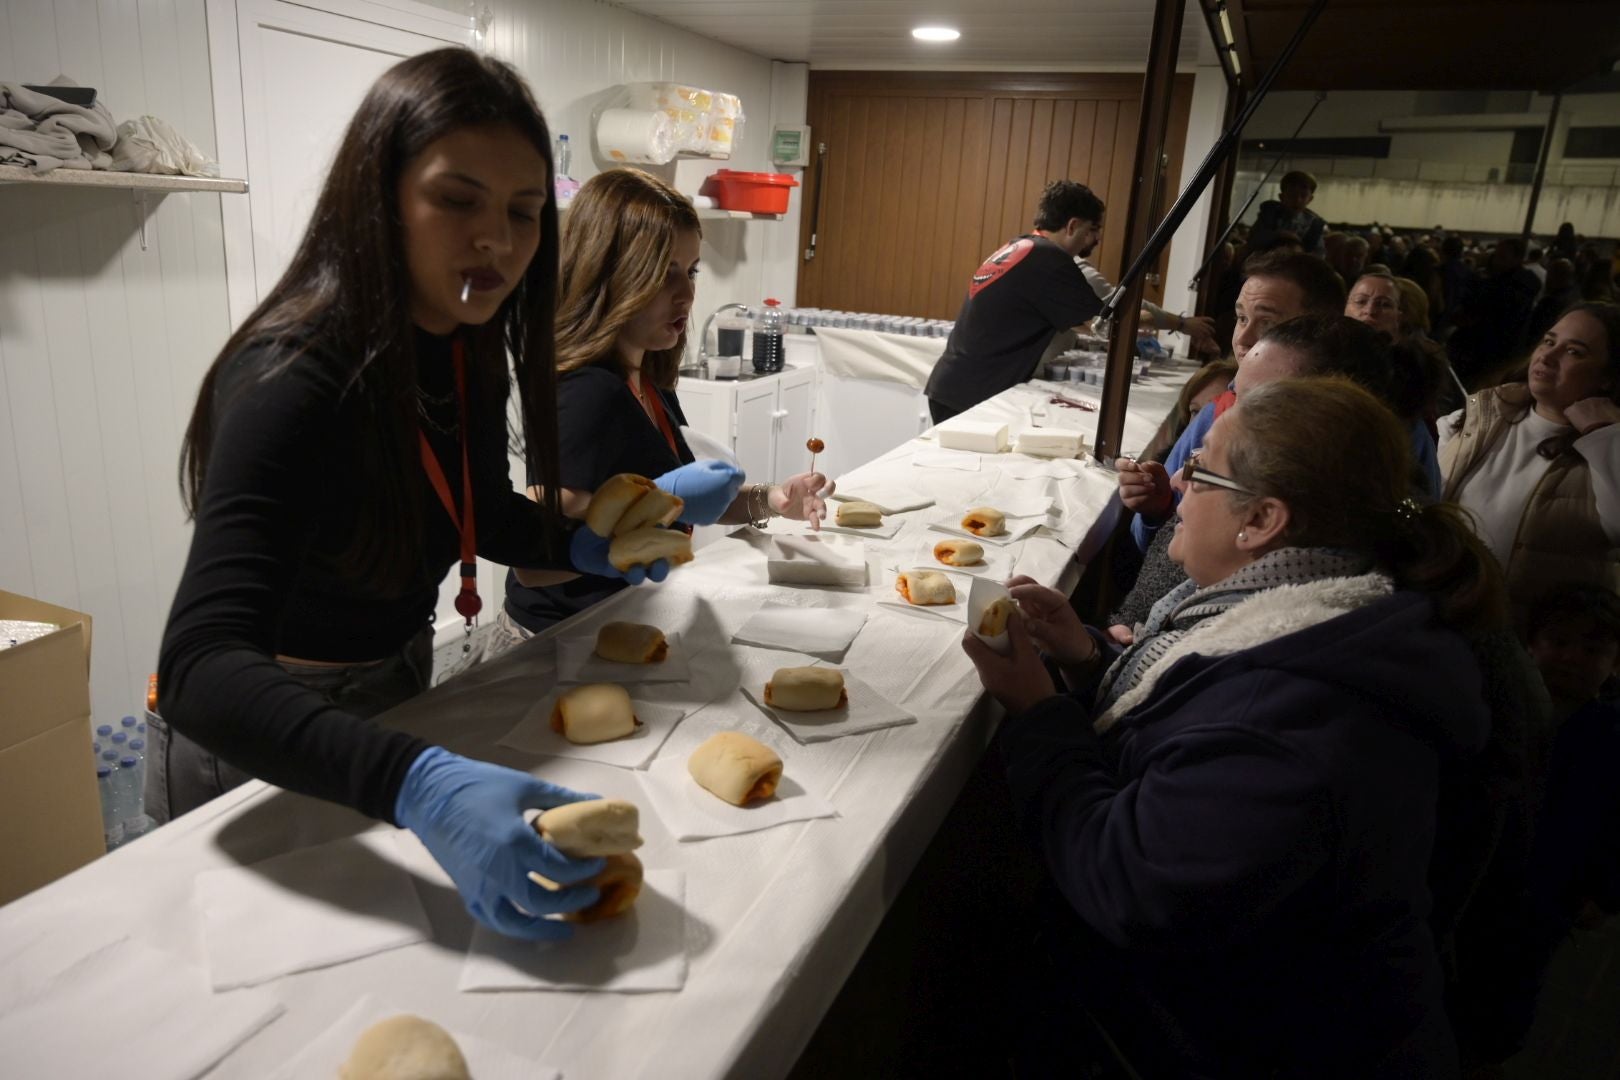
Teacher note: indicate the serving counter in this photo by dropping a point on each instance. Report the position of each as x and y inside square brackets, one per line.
[774, 919]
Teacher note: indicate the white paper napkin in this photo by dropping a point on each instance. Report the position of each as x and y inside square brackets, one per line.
[997, 563]
[1017, 529]
[331, 1048]
[131, 1011]
[308, 909]
[956, 612]
[1021, 506]
[577, 662]
[640, 951]
[819, 631]
[533, 735]
[932, 457]
[867, 710]
[890, 498]
[814, 559]
[691, 813]
[1043, 470]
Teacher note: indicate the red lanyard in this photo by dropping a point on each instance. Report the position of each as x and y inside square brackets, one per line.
[468, 604]
[655, 405]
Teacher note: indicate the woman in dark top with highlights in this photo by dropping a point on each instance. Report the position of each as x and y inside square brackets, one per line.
[629, 266]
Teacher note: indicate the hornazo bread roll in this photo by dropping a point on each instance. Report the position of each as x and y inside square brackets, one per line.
[859, 515]
[993, 623]
[656, 507]
[985, 521]
[649, 545]
[613, 499]
[594, 713]
[590, 828]
[806, 689]
[736, 768]
[959, 553]
[631, 643]
[925, 587]
[405, 1048]
[604, 827]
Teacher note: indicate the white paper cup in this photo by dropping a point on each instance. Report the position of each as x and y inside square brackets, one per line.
[981, 594]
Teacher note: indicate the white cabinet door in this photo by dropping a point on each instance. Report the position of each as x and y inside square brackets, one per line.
[756, 428]
[795, 409]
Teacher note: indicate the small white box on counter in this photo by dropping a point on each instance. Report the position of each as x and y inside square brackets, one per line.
[1051, 442]
[980, 436]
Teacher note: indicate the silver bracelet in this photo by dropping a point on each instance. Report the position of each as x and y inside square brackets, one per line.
[759, 515]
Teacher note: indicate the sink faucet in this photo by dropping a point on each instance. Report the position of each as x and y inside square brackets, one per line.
[703, 339]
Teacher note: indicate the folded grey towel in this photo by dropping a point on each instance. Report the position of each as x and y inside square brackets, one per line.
[53, 133]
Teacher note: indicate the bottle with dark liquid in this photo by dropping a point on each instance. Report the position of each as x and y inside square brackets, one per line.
[769, 352]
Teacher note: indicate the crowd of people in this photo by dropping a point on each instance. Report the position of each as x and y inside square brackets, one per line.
[1320, 800]
[1326, 792]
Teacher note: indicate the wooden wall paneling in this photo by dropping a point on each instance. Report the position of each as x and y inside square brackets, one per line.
[1120, 180]
[892, 249]
[991, 233]
[977, 160]
[1013, 218]
[929, 225]
[952, 165]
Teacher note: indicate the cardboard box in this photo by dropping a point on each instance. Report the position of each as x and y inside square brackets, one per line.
[50, 808]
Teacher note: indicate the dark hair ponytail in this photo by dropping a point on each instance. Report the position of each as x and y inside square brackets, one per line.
[1350, 491]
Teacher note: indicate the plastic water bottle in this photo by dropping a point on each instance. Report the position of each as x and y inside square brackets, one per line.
[104, 734]
[127, 784]
[137, 749]
[768, 349]
[112, 829]
[564, 155]
[128, 724]
[119, 741]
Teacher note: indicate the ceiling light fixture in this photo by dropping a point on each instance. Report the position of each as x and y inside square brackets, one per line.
[935, 33]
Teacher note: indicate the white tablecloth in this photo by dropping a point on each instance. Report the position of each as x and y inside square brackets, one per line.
[776, 919]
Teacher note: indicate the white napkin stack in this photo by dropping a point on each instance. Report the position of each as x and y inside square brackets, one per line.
[824, 632]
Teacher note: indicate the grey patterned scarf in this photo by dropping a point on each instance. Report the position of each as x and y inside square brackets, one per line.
[1187, 605]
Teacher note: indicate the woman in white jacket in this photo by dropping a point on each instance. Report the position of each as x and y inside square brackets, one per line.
[1537, 464]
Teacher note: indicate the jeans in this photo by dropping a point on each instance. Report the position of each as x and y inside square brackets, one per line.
[181, 776]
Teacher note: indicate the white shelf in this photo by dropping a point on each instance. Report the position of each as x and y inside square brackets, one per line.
[715, 213]
[100, 178]
[706, 213]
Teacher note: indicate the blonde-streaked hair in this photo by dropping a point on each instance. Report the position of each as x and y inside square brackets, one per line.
[617, 241]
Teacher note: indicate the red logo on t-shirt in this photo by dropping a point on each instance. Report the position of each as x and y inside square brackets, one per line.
[999, 263]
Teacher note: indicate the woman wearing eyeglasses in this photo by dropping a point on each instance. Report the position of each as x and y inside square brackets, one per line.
[1241, 807]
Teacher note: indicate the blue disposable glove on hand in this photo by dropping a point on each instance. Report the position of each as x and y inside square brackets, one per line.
[708, 487]
[589, 554]
[469, 815]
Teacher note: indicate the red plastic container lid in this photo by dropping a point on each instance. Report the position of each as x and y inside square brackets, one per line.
[778, 179]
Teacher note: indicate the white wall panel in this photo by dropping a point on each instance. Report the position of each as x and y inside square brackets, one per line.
[102, 344]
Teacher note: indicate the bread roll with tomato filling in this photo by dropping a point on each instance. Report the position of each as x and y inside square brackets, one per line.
[631, 643]
[648, 545]
[993, 623]
[959, 553]
[985, 521]
[733, 767]
[859, 515]
[925, 588]
[613, 499]
[806, 689]
[592, 827]
[594, 713]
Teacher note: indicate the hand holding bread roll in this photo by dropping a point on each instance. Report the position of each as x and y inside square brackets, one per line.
[631, 643]
[806, 689]
[613, 499]
[594, 713]
[985, 521]
[736, 768]
[648, 545]
[959, 553]
[993, 623]
[598, 827]
[925, 588]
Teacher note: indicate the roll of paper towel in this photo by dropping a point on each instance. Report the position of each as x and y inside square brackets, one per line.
[640, 135]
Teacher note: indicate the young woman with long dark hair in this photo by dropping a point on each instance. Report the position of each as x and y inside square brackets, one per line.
[349, 446]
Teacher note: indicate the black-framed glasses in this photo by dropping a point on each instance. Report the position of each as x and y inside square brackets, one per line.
[1192, 472]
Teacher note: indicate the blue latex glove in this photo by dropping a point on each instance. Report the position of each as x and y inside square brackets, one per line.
[589, 554]
[469, 815]
[707, 486]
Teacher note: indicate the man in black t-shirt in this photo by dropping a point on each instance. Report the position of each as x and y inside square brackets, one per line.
[1018, 299]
